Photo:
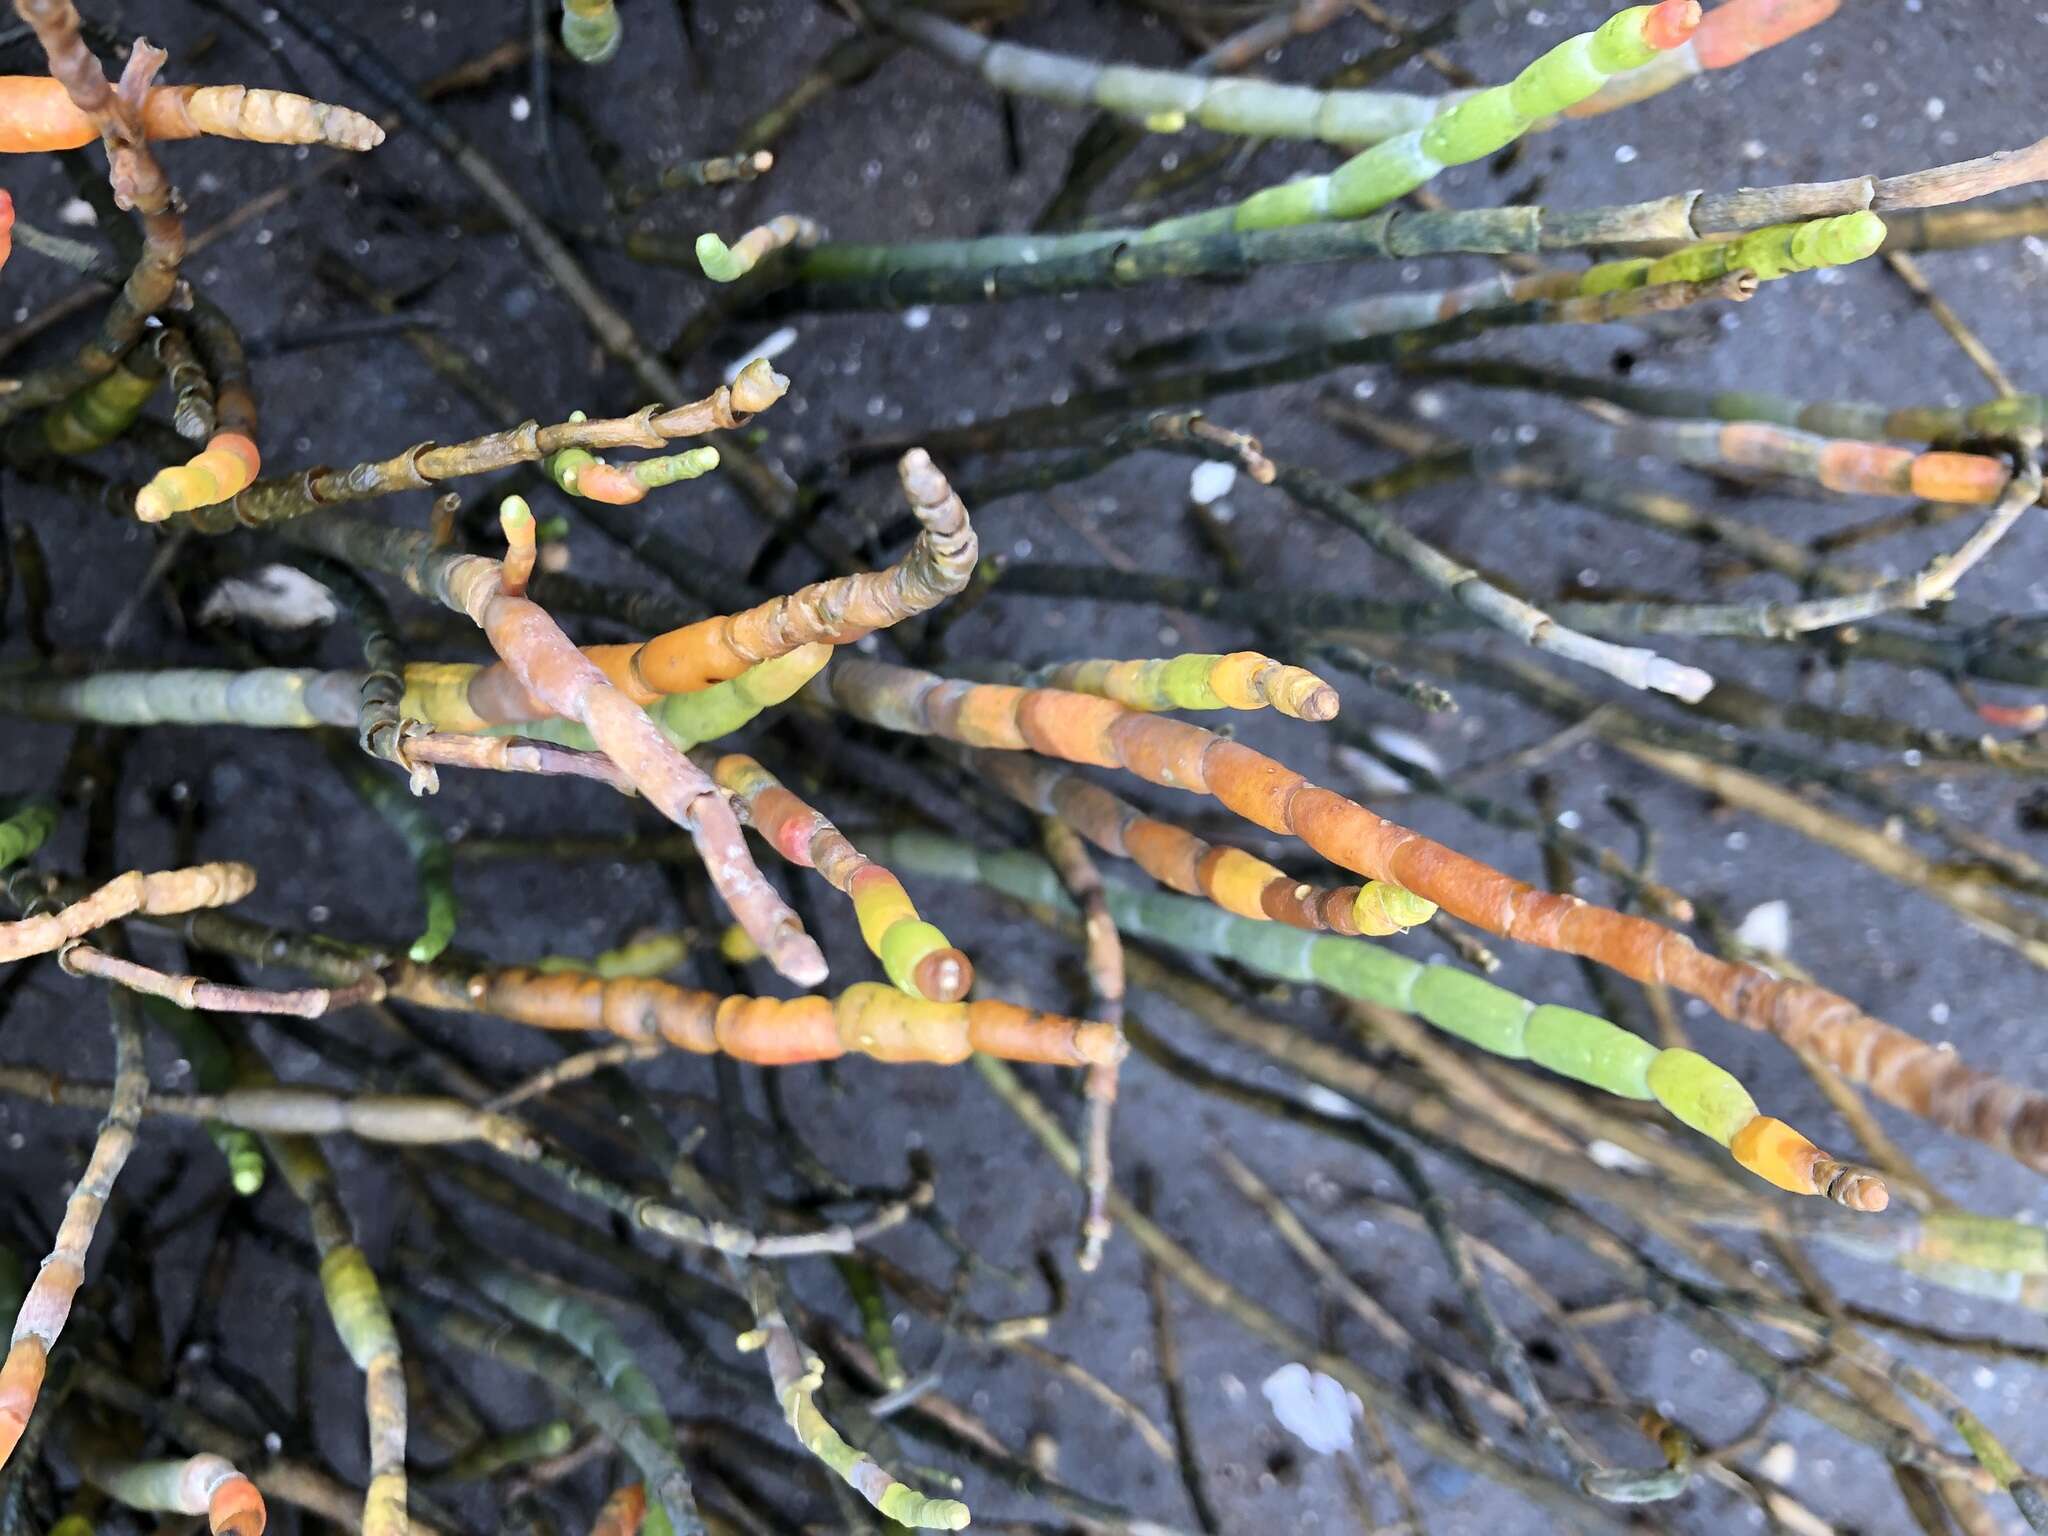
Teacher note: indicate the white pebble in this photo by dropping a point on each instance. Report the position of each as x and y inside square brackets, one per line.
[1310, 1406]
[917, 317]
[78, 214]
[1409, 748]
[1936, 109]
[1615, 1159]
[277, 597]
[1780, 1463]
[1211, 482]
[522, 109]
[1767, 927]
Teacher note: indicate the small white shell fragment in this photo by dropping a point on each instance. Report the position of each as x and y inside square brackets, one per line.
[1409, 748]
[1211, 482]
[1766, 927]
[1780, 1463]
[277, 597]
[1310, 1406]
[1615, 1159]
[767, 349]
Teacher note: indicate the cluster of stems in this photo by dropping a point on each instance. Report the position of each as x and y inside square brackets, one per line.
[534, 1163]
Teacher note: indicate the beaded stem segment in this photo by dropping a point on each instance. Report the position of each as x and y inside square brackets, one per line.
[1240, 680]
[1581, 1046]
[1478, 126]
[835, 612]
[581, 473]
[1776, 251]
[25, 830]
[355, 1304]
[1924, 1079]
[918, 958]
[867, 1019]
[1727, 34]
[47, 1305]
[159, 894]
[591, 30]
[1939, 424]
[227, 465]
[213, 1072]
[199, 1485]
[1234, 880]
[1167, 101]
[724, 263]
[684, 718]
[1835, 464]
[283, 499]
[797, 1376]
[105, 408]
[37, 115]
[433, 865]
[555, 1310]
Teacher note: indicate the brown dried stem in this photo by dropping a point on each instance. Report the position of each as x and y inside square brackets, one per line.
[161, 894]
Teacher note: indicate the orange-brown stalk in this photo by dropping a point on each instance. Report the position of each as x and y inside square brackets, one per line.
[1928, 1080]
[868, 1019]
[154, 895]
[36, 115]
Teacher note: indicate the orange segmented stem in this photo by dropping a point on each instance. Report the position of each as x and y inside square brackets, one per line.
[868, 1019]
[1837, 464]
[46, 1307]
[1240, 680]
[1924, 1079]
[516, 520]
[1234, 880]
[1732, 32]
[37, 115]
[153, 895]
[835, 612]
[919, 959]
[227, 465]
[206, 1485]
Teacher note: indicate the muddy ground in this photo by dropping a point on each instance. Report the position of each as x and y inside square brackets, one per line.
[917, 150]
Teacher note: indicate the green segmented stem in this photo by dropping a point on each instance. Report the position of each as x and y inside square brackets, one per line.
[541, 1442]
[26, 830]
[433, 865]
[355, 1305]
[1768, 254]
[1771, 253]
[688, 719]
[724, 263]
[1581, 1046]
[213, 1071]
[553, 1310]
[654, 954]
[574, 1382]
[674, 468]
[1166, 101]
[105, 408]
[591, 30]
[1477, 126]
[263, 697]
